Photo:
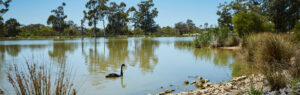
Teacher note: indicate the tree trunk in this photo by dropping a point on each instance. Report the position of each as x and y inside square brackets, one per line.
[95, 28]
[104, 27]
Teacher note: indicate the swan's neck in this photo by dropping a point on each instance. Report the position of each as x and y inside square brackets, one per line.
[121, 70]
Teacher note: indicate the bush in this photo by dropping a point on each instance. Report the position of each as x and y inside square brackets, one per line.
[272, 54]
[203, 40]
[296, 31]
[232, 41]
[250, 22]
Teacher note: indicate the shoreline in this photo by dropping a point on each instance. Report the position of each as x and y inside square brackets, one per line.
[243, 85]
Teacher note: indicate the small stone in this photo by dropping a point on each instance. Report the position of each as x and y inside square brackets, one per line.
[149, 94]
[198, 85]
[170, 85]
[1, 92]
[161, 87]
[161, 93]
[186, 82]
[198, 93]
[193, 82]
[169, 91]
[184, 93]
[200, 78]
[205, 81]
[235, 92]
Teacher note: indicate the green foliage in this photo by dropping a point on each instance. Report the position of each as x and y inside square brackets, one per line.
[137, 31]
[144, 17]
[232, 41]
[2, 32]
[97, 10]
[283, 13]
[203, 40]
[191, 25]
[255, 92]
[57, 20]
[167, 31]
[118, 19]
[4, 9]
[244, 23]
[296, 31]
[225, 18]
[221, 34]
[182, 28]
[12, 27]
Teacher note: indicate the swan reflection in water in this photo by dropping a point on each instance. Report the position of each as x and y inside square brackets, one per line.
[114, 75]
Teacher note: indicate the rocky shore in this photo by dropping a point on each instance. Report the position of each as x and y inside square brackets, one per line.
[243, 85]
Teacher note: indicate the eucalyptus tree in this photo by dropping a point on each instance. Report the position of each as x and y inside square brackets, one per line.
[225, 18]
[97, 10]
[182, 27]
[144, 17]
[57, 19]
[205, 25]
[12, 27]
[283, 13]
[82, 26]
[4, 4]
[191, 25]
[118, 18]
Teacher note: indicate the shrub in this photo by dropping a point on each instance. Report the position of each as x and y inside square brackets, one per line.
[296, 31]
[272, 54]
[203, 40]
[36, 80]
[232, 41]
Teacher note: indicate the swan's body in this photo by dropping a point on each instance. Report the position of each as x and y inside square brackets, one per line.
[114, 75]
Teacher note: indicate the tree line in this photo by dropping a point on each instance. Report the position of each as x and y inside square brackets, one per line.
[239, 16]
[251, 16]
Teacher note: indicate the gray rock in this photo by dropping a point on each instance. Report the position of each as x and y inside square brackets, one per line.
[186, 82]
[161, 93]
[200, 78]
[1, 92]
[235, 92]
[193, 82]
[169, 91]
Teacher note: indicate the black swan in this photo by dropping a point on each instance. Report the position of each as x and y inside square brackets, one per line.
[114, 75]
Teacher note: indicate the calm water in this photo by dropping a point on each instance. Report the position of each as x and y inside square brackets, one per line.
[151, 62]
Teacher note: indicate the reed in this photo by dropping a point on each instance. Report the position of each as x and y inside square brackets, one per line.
[38, 80]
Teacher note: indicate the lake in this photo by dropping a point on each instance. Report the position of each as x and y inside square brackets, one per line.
[151, 63]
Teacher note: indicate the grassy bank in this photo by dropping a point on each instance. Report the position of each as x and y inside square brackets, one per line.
[276, 55]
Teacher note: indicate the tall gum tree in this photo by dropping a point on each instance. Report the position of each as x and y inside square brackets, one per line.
[144, 17]
[97, 10]
[57, 19]
[4, 4]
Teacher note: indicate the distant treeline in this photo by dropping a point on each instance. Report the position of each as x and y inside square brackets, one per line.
[239, 16]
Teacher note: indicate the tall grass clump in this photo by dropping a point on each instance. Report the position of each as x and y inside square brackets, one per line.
[296, 31]
[203, 40]
[273, 54]
[232, 41]
[38, 80]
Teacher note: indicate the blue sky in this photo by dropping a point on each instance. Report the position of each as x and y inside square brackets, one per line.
[170, 11]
